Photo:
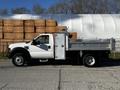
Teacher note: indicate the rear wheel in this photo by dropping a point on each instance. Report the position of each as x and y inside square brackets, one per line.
[90, 60]
[18, 59]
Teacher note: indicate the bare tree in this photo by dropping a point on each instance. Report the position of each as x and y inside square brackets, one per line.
[63, 6]
[85, 6]
[37, 9]
[21, 10]
[3, 12]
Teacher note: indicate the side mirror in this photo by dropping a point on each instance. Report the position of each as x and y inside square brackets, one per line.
[70, 36]
[33, 42]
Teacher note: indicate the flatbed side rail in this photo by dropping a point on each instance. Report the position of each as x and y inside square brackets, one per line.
[101, 44]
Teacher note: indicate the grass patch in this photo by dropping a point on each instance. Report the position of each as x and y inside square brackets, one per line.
[114, 55]
[3, 56]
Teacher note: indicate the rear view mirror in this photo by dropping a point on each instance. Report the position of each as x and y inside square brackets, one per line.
[34, 42]
[70, 36]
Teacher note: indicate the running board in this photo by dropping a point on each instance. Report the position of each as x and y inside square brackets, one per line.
[43, 60]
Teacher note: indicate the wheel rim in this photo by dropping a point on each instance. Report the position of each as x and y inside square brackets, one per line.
[90, 60]
[19, 60]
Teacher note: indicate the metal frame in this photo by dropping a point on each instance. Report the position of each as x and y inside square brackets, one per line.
[101, 44]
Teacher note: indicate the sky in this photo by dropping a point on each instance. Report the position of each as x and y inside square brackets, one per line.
[9, 4]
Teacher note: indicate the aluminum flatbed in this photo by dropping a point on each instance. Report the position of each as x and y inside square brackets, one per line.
[100, 44]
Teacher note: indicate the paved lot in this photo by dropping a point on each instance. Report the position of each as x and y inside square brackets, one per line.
[59, 77]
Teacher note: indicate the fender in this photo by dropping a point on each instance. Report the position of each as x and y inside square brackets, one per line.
[19, 50]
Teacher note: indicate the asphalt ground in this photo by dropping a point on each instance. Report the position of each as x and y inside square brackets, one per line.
[59, 77]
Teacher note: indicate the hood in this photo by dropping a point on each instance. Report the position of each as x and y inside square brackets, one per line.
[11, 46]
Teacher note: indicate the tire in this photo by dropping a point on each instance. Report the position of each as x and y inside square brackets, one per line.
[90, 60]
[18, 59]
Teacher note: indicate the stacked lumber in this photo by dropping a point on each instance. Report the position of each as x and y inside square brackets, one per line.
[18, 23]
[12, 31]
[51, 26]
[1, 22]
[61, 28]
[4, 45]
[30, 36]
[13, 36]
[29, 23]
[8, 23]
[40, 29]
[1, 32]
[51, 23]
[29, 29]
[73, 36]
[40, 23]
[1, 27]
[40, 26]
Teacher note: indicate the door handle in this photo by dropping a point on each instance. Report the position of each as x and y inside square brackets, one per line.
[49, 47]
[62, 45]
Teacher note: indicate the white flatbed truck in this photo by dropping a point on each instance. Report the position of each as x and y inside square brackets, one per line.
[58, 46]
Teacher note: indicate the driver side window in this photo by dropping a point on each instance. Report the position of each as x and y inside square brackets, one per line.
[44, 39]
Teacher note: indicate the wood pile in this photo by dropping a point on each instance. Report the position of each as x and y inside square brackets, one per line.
[73, 36]
[12, 31]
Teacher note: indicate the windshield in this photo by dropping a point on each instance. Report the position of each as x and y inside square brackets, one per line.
[44, 39]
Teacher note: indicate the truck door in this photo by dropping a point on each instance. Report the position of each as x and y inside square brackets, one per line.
[60, 46]
[42, 47]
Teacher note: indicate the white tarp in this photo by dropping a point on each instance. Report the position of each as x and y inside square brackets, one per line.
[95, 26]
[88, 26]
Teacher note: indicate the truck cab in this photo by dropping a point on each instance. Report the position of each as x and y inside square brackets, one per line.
[44, 46]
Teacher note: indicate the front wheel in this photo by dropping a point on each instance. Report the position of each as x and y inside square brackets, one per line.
[18, 59]
[90, 60]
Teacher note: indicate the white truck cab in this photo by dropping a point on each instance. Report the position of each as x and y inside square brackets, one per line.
[44, 46]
